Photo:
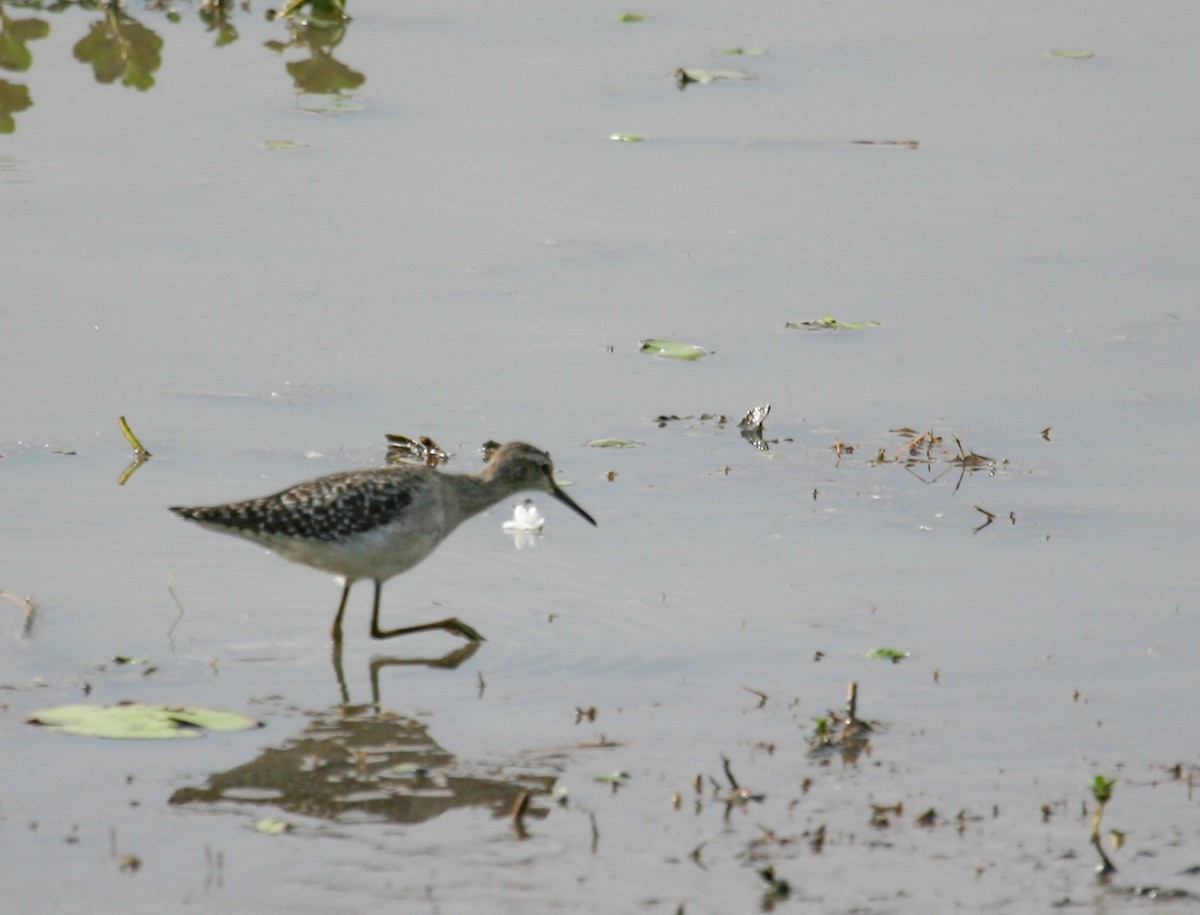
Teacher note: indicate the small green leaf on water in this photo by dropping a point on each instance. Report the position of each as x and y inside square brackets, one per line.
[631, 17]
[1102, 788]
[140, 720]
[745, 52]
[613, 778]
[269, 826]
[685, 75]
[672, 349]
[829, 322]
[284, 144]
[1072, 53]
[613, 443]
[626, 138]
[895, 655]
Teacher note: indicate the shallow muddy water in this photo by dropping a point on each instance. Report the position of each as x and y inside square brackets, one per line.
[265, 279]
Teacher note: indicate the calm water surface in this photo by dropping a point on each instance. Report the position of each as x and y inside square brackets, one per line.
[266, 276]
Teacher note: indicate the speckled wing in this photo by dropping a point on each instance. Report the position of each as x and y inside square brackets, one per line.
[331, 508]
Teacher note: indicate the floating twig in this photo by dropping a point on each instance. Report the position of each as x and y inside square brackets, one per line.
[987, 514]
[762, 697]
[178, 603]
[139, 449]
[519, 808]
[140, 454]
[729, 772]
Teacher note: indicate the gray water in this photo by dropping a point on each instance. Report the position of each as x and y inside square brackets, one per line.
[265, 281]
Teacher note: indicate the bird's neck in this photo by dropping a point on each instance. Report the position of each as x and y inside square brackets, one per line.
[476, 494]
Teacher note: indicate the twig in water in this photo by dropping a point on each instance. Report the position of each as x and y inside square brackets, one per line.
[139, 449]
[729, 773]
[989, 515]
[140, 454]
[178, 603]
[28, 609]
[519, 808]
[762, 697]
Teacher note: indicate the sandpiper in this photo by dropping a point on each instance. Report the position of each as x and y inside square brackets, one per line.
[378, 523]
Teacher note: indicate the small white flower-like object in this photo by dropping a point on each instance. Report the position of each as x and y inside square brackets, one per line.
[526, 524]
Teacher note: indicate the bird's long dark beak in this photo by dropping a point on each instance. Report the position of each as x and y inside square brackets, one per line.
[570, 503]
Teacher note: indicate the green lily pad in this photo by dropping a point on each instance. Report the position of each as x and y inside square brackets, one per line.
[1072, 53]
[672, 349]
[829, 322]
[626, 138]
[140, 720]
[745, 52]
[895, 655]
[631, 17]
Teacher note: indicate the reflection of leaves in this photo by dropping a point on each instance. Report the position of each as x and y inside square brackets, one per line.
[120, 47]
[319, 13]
[14, 97]
[323, 74]
[216, 17]
[14, 33]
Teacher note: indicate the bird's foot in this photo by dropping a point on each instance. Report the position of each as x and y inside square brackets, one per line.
[458, 627]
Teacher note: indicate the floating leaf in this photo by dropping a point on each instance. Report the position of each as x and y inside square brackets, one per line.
[613, 778]
[140, 720]
[895, 655]
[1072, 53]
[829, 322]
[613, 443]
[269, 826]
[631, 17]
[745, 52]
[907, 144]
[672, 349]
[685, 75]
[284, 144]
[626, 137]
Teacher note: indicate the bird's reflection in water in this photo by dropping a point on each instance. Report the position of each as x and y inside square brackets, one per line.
[450, 660]
[358, 762]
